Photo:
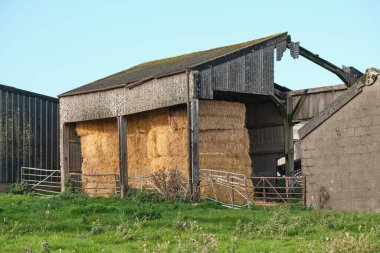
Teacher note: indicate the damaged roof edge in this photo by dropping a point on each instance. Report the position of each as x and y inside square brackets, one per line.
[239, 47]
[370, 77]
[322, 89]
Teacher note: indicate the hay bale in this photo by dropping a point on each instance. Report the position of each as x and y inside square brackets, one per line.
[159, 140]
[221, 115]
[99, 148]
[223, 142]
[161, 135]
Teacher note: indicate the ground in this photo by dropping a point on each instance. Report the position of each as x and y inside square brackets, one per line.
[75, 223]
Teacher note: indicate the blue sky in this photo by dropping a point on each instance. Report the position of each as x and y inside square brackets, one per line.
[51, 47]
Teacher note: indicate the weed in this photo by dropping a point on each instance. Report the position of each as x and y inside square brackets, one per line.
[124, 230]
[20, 188]
[208, 204]
[346, 242]
[181, 224]
[85, 220]
[17, 228]
[161, 247]
[97, 227]
[147, 213]
[145, 196]
[45, 247]
[95, 208]
[170, 184]
[233, 246]
[210, 243]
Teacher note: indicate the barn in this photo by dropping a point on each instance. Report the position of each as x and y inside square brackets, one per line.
[341, 149]
[28, 134]
[217, 109]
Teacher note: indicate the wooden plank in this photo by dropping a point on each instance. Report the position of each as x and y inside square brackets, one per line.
[123, 167]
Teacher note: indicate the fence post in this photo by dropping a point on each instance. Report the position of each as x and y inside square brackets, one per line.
[232, 191]
[246, 192]
[264, 195]
[304, 190]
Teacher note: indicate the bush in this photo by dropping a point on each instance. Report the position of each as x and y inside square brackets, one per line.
[20, 188]
[145, 196]
[145, 213]
[97, 227]
[280, 224]
[92, 209]
[170, 184]
[346, 242]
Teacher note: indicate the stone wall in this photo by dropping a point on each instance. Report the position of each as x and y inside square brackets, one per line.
[341, 157]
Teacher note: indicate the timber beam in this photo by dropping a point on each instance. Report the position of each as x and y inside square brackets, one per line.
[348, 75]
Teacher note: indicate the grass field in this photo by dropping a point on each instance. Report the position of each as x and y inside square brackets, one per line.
[75, 223]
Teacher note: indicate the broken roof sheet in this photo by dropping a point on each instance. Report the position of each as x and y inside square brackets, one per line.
[163, 67]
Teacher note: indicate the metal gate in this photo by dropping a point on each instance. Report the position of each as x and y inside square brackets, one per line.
[245, 191]
[44, 182]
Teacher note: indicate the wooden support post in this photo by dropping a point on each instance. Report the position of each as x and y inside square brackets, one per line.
[65, 154]
[195, 148]
[123, 166]
[288, 135]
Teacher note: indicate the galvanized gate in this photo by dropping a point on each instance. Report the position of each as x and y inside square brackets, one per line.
[44, 182]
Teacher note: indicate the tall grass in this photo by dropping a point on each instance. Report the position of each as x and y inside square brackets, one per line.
[143, 223]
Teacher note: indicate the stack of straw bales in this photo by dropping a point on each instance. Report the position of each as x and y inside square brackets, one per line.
[223, 141]
[157, 140]
[99, 147]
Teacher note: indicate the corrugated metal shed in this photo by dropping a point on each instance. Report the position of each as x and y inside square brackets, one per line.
[29, 132]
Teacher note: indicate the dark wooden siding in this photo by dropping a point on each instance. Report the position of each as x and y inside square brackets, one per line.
[247, 72]
[28, 132]
[266, 135]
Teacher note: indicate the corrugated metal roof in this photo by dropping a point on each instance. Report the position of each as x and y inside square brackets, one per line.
[163, 67]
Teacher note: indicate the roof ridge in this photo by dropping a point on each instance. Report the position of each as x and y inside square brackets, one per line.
[165, 66]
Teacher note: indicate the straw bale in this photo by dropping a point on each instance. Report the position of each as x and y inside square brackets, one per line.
[223, 142]
[178, 118]
[235, 141]
[157, 140]
[221, 115]
[99, 148]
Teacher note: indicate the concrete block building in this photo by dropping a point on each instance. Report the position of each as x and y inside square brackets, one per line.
[341, 149]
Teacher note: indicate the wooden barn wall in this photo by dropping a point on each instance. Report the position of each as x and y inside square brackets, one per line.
[28, 132]
[266, 134]
[154, 94]
[316, 101]
[248, 71]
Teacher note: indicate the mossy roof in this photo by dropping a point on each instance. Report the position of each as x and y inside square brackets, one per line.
[163, 67]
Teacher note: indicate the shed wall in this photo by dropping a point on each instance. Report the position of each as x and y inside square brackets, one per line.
[266, 134]
[248, 72]
[316, 100]
[154, 94]
[28, 132]
[343, 155]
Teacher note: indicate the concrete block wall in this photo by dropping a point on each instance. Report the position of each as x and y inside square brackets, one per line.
[341, 157]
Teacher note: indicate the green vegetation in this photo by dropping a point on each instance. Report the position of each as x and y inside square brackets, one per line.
[144, 223]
